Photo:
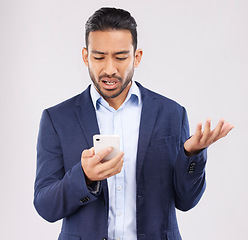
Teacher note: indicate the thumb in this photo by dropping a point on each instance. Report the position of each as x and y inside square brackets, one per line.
[87, 153]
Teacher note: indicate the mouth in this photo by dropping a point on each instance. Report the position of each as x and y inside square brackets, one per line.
[110, 83]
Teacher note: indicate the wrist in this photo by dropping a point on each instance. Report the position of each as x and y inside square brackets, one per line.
[189, 152]
[88, 181]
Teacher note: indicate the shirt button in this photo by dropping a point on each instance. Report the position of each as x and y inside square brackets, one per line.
[119, 213]
[120, 188]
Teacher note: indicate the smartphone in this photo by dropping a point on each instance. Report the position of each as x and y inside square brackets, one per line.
[101, 142]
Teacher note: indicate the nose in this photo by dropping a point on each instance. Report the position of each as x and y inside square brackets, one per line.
[110, 67]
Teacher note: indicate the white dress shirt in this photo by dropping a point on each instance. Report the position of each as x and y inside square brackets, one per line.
[124, 122]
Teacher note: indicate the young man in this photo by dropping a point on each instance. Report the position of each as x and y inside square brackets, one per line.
[134, 195]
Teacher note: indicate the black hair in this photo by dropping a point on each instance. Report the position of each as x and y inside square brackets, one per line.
[107, 18]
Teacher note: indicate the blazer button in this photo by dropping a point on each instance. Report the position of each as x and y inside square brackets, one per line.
[191, 167]
[104, 239]
[85, 199]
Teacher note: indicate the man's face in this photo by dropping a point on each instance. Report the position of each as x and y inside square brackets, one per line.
[111, 60]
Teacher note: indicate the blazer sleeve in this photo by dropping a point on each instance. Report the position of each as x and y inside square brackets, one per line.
[189, 175]
[57, 193]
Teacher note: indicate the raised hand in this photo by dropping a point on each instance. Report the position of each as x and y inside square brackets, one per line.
[203, 139]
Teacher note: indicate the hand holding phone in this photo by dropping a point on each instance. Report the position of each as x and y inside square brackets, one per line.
[93, 166]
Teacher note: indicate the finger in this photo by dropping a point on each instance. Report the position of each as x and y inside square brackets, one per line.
[227, 127]
[103, 153]
[206, 132]
[114, 161]
[217, 130]
[113, 167]
[198, 131]
[115, 170]
[87, 153]
[110, 164]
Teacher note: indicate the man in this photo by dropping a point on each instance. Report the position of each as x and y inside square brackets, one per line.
[134, 195]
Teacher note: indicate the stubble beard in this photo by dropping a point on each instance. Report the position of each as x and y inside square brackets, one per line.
[111, 92]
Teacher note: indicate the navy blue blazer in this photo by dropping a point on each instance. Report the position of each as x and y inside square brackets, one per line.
[166, 177]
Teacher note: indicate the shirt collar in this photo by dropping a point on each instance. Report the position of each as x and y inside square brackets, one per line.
[133, 92]
[95, 95]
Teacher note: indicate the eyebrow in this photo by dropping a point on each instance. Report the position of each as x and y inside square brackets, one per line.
[122, 52]
[104, 53]
[98, 52]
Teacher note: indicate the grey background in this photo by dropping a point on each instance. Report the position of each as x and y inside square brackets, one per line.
[194, 52]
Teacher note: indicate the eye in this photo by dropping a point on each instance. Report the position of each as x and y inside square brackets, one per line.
[121, 59]
[98, 58]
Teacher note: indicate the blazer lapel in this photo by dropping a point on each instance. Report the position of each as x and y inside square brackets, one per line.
[87, 116]
[147, 121]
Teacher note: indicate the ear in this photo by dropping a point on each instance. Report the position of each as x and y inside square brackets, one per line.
[137, 57]
[85, 56]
